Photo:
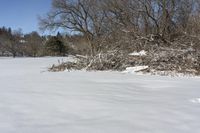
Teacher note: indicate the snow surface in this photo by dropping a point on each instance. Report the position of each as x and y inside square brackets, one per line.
[33, 100]
[196, 100]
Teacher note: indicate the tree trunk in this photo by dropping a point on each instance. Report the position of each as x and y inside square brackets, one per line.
[91, 44]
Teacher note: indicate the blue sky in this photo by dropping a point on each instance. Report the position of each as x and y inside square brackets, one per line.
[22, 13]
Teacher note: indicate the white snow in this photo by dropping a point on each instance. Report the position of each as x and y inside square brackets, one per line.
[141, 53]
[195, 100]
[135, 69]
[33, 100]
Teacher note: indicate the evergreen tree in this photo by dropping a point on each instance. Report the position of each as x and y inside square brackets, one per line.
[54, 46]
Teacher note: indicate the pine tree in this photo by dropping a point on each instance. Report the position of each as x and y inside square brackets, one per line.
[55, 47]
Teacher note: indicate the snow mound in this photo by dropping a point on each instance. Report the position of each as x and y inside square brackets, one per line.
[135, 69]
[196, 100]
[141, 53]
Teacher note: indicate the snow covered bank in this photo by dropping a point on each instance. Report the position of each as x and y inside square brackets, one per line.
[35, 101]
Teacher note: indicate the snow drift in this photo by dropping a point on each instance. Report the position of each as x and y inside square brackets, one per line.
[33, 100]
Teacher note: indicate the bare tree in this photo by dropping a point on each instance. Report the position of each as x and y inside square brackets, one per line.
[10, 41]
[99, 20]
[33, 44]
[77, 16]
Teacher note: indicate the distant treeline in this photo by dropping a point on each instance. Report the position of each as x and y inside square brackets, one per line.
[15, 43]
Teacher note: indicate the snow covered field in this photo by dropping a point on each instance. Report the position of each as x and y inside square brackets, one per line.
[35, 101]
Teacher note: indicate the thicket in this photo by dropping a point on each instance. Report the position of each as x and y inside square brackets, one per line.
[169, 30]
